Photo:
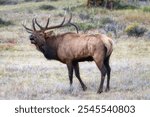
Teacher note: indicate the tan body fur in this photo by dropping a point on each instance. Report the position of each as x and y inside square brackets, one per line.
[72, 46]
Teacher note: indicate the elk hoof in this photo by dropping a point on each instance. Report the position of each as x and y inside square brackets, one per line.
[99, 91]
[71, 89]
[107, 89]
[84, 88]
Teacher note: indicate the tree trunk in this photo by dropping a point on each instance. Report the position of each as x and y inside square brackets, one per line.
[103, 3]
[106, 3]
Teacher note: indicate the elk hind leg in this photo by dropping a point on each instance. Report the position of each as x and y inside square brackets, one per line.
[70, 73]
[102, 68]
[108, 73]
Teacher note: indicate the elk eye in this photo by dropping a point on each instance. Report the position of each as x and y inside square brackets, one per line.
[41, 34]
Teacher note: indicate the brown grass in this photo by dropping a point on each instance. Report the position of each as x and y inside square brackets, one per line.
[31, 76]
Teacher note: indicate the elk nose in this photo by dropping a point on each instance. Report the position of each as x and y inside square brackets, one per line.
[31, 37]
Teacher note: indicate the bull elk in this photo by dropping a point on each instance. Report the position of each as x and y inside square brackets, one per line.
[71, 48]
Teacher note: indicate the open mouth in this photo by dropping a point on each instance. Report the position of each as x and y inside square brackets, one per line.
[33, 42]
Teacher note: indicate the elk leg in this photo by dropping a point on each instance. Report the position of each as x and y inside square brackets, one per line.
[103, 71]
[70, 73]
[108, 73]
[77, 73]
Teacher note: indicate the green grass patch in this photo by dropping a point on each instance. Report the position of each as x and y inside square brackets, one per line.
[125, 6]
[146, 9]
[86, 26]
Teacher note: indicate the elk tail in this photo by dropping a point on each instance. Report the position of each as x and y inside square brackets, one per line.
[108, 42]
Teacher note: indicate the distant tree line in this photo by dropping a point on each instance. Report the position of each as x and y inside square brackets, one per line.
[103, 3]
[110, 4]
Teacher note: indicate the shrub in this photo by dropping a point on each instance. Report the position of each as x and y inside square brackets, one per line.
[135, 30]
[5, 23]
[11, 2]
[124, 4]
[146, 9]
[84, 17]
[33, 0]
[106, 20]
[86, 26]
[2, 1]
[47, 7]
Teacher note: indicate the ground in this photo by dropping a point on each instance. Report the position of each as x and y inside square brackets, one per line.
[26, 74]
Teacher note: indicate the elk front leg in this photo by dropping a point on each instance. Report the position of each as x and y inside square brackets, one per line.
[77, 73]
[70, 73]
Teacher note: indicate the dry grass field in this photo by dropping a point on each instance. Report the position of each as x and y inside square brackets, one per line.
[26, 74]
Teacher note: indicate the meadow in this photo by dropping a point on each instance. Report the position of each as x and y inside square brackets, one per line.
[26, 74]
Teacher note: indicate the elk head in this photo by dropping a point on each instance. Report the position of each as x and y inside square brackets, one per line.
[38, 37]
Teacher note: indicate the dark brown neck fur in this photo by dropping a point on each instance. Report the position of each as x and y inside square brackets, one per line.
[50, 48]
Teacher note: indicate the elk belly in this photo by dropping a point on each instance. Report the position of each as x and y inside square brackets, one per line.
[89, 58]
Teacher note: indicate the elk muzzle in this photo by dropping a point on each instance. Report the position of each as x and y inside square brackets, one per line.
[32, 39]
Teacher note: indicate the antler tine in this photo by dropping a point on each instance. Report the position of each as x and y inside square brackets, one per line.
[77, 29]
[70, 18]
[47, 23]
[33, 24]
[62, 22]
[27, 29]
[39, 24]
[69, 23]
[57, 26]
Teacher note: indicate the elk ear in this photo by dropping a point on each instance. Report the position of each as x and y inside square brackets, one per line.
[49, 34]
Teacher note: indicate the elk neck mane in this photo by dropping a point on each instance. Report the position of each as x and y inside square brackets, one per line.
[50, 48]
[52, 43]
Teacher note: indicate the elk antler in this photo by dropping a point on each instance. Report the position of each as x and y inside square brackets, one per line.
[46, 27]
[33, 24]
[47, 23]
[62, 24]
[69, 23]
[27, 29]
[77, 29]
